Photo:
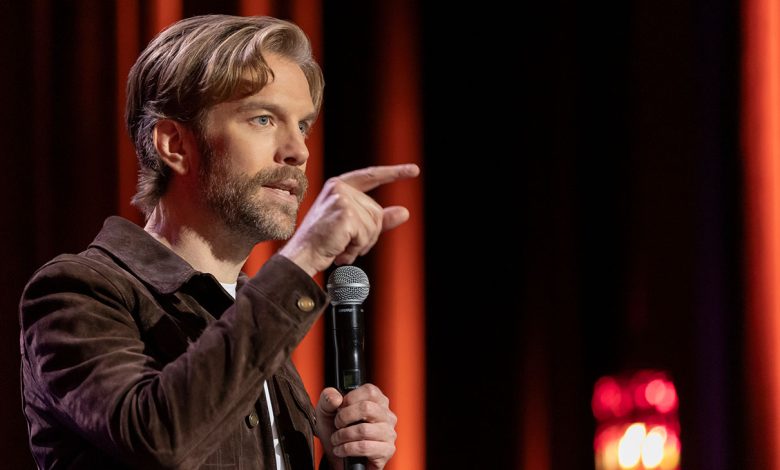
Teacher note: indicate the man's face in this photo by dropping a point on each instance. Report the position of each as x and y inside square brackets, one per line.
[254, 154]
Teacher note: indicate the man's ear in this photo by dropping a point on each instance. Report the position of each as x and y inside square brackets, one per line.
[176, 145]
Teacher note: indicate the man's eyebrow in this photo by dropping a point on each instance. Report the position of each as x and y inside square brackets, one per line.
[255, 105]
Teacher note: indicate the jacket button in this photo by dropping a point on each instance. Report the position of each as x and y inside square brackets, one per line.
[306, 304]
[252, 420]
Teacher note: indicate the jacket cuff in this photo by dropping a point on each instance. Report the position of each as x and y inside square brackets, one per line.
[287, 285]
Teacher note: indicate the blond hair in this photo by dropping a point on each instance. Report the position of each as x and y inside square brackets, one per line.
[196, 63]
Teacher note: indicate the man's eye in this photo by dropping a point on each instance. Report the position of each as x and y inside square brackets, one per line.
[262, 120]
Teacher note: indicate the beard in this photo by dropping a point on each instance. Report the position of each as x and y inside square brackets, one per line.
[238, 200]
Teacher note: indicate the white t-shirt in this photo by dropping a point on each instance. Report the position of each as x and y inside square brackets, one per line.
[231, 289]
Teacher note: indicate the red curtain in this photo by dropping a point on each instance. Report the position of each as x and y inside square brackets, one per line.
[761, 146]
[399, 277]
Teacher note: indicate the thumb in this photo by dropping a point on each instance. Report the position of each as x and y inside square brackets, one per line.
[330, 400]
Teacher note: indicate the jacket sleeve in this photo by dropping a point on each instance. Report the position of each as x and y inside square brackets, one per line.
[85, 361]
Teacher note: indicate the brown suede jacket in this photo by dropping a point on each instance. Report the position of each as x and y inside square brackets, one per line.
[132, 359]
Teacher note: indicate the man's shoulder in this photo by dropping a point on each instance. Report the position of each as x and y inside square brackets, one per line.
[93, 267]
[91, 259]
[97, 257]
[67, 271]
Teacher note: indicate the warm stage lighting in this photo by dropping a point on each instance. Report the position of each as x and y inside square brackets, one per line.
[637, 421]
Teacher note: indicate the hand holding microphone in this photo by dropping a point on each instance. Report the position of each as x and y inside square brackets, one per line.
[348, 287]
[358, 423]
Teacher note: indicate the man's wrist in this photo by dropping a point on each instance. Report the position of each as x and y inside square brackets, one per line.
[302, 258]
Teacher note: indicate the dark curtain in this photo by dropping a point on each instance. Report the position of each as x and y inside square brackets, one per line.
[583, 209]
[59, 172]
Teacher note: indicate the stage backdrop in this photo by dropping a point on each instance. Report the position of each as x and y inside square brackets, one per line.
[598, 196]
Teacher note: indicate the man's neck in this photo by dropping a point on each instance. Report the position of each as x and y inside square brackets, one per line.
[203, 242]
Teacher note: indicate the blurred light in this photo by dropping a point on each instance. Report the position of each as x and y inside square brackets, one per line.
[640, 396]
[671, 453]
[637, 423]
[653, 447]
[607, 447]
[630, 447]
[608, 399]
[662, 395]
[655, 391]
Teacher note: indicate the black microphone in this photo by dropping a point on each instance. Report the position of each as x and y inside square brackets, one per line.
[348, 287]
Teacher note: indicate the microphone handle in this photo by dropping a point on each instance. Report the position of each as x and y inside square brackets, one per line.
[348, 339]
[348, 346]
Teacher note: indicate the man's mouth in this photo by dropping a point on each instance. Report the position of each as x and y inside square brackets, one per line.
[288, 187]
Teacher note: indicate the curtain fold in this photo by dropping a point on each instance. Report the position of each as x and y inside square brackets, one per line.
[761, 147]
[399, 328]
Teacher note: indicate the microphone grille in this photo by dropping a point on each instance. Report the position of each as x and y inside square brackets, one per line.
[348, 285]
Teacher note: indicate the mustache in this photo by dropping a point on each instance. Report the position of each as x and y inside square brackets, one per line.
[282, 176]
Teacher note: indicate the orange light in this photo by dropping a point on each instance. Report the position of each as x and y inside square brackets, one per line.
[643, 434]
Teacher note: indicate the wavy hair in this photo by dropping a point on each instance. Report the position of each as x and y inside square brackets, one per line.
[196, 63]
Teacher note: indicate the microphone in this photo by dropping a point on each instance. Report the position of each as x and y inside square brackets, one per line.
[348, 287]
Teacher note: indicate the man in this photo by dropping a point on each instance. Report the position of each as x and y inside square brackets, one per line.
[150, 349]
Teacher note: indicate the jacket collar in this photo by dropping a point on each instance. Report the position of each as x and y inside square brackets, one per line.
[152, 262]
[144, 256]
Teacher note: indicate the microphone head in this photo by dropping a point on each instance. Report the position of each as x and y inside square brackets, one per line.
[348, 285]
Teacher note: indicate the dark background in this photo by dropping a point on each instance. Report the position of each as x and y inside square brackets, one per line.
[583, 203]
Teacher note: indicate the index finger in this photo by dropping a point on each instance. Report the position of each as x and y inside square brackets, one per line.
[366, 179]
